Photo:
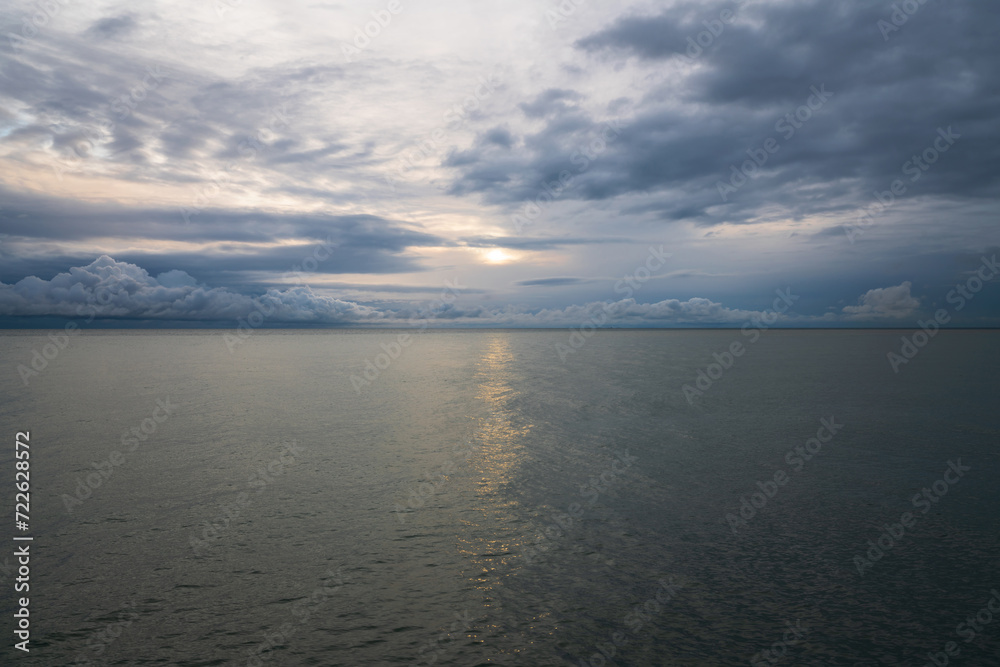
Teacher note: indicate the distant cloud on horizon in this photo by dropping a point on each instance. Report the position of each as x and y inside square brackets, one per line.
[111, 290]
[885, 302]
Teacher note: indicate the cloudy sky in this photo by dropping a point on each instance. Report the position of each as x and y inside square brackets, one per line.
[515, 163]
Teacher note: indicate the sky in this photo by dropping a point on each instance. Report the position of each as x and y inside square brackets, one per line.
[513, 164]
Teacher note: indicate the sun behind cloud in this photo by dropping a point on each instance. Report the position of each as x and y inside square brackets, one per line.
[498, 256]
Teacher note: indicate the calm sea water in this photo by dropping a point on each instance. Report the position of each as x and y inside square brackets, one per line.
[479, 500]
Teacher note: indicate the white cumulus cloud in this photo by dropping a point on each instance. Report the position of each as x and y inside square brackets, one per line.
[110, 289]
[892, 302]
[107, 288]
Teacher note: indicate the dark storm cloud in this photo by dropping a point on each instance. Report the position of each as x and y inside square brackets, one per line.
[650, 37]
[209, 265]
[112, 27]
[551, 101]
[552, 282]
[40, 217]
[228, 267]
[503, 176]
[36, 225]
[876, 103]
[500, 136]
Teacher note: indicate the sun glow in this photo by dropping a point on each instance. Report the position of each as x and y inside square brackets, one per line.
[498, 256]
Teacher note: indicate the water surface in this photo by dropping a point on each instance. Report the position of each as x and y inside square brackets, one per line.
[481, 501]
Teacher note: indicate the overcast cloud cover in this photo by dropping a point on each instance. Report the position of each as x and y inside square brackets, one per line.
[498, 163]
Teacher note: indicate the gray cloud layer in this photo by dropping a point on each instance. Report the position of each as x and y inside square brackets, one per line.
[231, 149]
[886, 103]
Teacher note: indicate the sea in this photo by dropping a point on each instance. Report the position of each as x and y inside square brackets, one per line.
[501, 497]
